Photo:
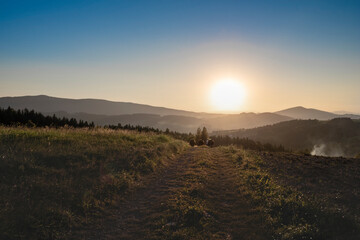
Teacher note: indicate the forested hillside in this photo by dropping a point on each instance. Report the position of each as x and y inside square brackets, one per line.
[337, 137]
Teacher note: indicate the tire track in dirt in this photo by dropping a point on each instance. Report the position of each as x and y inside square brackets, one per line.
[139, 215]
[133, 217]
[235, 217]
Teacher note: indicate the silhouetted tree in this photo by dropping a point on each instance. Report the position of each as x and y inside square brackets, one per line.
[198, 135]
[10, 117]
[204, 134]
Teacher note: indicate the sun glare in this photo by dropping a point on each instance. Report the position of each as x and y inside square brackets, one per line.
[227, 95]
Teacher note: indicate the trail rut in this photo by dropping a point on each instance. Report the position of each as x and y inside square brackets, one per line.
[139, 215]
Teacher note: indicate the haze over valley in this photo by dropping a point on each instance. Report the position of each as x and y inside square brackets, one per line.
[103, 112]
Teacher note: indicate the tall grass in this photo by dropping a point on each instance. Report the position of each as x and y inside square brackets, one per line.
[55, 180]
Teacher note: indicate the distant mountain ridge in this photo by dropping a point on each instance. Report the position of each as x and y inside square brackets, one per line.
[103, 112]
[310, 113]
[44, 104]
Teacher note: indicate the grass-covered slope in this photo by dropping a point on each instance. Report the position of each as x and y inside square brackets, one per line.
[55, 180]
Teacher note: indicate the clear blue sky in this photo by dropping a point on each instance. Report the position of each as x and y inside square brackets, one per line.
[169, 53]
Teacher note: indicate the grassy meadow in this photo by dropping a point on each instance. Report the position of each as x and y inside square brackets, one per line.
[56, 180]
[66, 182]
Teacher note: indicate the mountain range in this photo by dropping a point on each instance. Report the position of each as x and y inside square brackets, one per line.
[103, 112]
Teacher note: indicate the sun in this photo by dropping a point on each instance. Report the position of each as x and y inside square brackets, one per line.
[227, 95]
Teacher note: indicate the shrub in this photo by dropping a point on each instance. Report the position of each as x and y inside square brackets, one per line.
[210, 143]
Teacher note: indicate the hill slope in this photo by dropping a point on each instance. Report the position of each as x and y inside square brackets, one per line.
[310, 113]
[307, 113]
[337, 137]
[46, 104]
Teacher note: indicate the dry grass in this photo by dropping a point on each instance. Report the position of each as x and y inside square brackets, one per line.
[55, 180]
[275, 182]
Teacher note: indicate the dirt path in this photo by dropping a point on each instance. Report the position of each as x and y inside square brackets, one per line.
[235, 215]
[143, 214]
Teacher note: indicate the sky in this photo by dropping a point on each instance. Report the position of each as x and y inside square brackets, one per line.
[170, 53]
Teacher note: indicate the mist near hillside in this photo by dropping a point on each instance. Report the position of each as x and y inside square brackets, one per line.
[326, 150]
[180, 123]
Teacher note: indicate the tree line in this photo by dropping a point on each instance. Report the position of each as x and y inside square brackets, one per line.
[11, 117]
[247, 143]
[30, 118]
[201, 134]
